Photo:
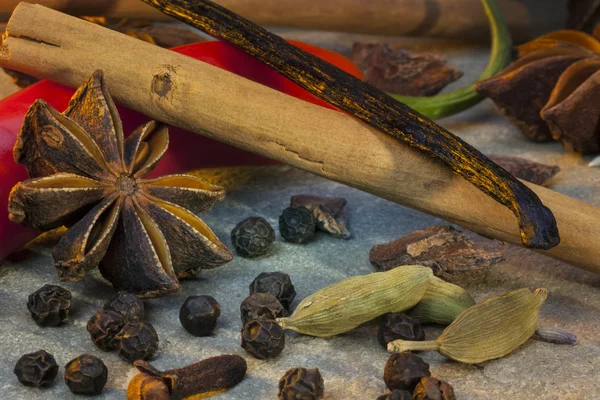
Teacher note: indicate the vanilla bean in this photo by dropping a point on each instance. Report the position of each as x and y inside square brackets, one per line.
[537, 223]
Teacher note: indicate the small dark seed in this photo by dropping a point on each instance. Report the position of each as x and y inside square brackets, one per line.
[396, 326]
[261, 306]
[397, 395]
[86, 374]
[277, 284]
[36, 369]
[301, 384]
[128, 305]
[50, 305]
[555, 335]
[252, 237]
[136, 341]
[404, 370]
[263, 339]
[199, 315]
[297, 224]
[433, 389]
[103, 327]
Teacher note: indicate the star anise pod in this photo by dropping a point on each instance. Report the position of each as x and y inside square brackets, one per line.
[549, 91]
[142, 233]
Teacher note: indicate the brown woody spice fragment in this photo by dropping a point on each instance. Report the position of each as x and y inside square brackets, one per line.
[525, 169]
[433, 389]
[402, 72]
[142, 233]
[209, 376]
[448, 252]
[329, 213]
[301, 384]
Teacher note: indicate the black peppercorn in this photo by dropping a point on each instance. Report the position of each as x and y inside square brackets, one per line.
[86, 374]
[252, 237]
[301, 384]
[399, 326]
[297, 224]
[397, 395]
[136, 341]
[103, 327]
[36, 369]
[433, 389]
[128, 305]
[199, 315]
[49, 305]
[263, 339]
[404, 370]
[261, 306]
[277, 284]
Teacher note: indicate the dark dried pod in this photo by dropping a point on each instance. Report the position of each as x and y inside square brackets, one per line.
[297, 224]
[199, 315]
[397, 395]
[396, 326]
[554, 335]
[263, 339]
[433, 389]
[277, 284]
[36, 369]
[136, 341]
[49, 305]
[252, 237]
[103, 327]
[86, 374]
[128, 305]
[404, 370]
[301, 384]
[261, 306]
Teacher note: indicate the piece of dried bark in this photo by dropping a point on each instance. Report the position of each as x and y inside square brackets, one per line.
[329, 213]
[448, 252]
[525, 169]
[401, 72]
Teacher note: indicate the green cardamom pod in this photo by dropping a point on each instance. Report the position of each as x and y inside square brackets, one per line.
[488, 330]
[442, 303]
[345, 305]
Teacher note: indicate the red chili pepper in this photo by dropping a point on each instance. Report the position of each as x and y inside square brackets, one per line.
[187, 150]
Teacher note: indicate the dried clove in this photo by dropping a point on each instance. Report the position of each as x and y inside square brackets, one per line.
[403, 72]
[404, 370]
[208, 376]
[329, 213]
[451, 254]
[36, 369]
[301, 384]
[525, 169]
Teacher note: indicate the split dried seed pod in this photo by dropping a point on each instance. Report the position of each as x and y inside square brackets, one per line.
[442, 303]
[486, 331]
[345, 305]
[207, 377]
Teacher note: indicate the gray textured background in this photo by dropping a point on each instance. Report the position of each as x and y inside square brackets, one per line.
[352, 364]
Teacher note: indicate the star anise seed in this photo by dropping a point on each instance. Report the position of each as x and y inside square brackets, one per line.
[142, 233]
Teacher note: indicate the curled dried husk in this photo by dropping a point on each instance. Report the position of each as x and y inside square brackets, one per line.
[573, 110]
[523, 88]
[442, 303]
[488, 330]
[343, 306]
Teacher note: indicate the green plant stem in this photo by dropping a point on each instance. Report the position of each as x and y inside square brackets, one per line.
[444, 105]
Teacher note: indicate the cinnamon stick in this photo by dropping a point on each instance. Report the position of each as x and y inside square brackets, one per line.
[435, 18]
[196, 96]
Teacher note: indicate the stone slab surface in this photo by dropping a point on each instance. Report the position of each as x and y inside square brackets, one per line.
[352, 364]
